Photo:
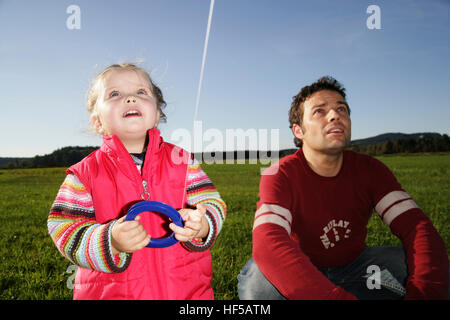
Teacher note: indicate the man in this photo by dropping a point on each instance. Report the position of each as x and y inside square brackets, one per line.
[311, 221]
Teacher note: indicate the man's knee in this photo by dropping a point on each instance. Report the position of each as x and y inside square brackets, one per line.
[253, 285]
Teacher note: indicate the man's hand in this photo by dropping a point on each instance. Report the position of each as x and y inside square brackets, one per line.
[195, 224]
[128, 236]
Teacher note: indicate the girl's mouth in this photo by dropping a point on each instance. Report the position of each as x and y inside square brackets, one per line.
[132, 113]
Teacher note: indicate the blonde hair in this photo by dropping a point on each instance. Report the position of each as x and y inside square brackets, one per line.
[94, 90]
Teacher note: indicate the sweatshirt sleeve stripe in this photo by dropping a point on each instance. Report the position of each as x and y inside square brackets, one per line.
[272, 218]
[275, 214]
[72, 226]
[394, 204]
[398, 209]
[200, 190]
[390, 199]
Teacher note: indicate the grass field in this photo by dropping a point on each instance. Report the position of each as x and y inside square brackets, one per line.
[32, 268]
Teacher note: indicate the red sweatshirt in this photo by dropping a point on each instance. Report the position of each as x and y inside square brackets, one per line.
[304, 221]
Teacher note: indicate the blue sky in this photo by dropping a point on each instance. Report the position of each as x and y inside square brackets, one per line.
[260, 54]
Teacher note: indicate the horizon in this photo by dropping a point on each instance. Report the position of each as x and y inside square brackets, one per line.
[390, 57]
[229, 151]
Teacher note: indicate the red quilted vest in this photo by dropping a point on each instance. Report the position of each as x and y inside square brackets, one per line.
[114, 182]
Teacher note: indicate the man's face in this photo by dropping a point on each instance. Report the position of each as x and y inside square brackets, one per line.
[326, 125]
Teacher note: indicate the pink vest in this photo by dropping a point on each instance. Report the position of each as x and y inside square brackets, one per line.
[115, 184]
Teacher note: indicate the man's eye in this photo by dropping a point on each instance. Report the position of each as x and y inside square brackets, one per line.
[317, 111]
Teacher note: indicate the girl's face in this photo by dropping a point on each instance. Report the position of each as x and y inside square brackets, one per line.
[125, 106]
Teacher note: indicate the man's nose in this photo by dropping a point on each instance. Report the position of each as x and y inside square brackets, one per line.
[333, 115]
[130, 99]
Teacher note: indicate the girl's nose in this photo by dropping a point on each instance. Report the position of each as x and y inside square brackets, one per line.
[131, 99]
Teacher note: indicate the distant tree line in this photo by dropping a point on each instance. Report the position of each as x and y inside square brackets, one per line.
[68, 156]
[63, 157]
[424, 144]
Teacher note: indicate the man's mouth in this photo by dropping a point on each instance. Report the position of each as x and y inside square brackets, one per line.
[132, 113]
[335, 130]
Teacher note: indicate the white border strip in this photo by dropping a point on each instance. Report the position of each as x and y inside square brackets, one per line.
[398, 209]
[275, 209]
[389, 199]
[272, 218]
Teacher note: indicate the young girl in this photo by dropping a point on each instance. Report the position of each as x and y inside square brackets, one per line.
[86, 221]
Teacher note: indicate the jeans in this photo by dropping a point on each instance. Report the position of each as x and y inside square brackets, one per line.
[377, 273]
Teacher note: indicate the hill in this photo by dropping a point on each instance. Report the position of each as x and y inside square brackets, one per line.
[387, 143]
[391, 143]
[14, 161]
[385, 137]
[63, 157]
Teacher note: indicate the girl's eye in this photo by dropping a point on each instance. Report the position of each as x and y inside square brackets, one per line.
[142, 91]
[114, 94]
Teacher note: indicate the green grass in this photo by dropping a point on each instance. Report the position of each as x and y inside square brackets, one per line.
[427, 179]
[32, 268]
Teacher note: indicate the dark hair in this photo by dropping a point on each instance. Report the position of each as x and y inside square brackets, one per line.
[296, 110]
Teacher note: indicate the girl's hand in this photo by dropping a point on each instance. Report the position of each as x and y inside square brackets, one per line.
[195, 224]
[128, 236]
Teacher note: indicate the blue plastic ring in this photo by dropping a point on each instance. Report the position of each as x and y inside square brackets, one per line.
[163, 208]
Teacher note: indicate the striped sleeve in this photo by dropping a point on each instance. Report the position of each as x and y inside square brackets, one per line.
[426, 255]
[393, 205]
[275, 214]
[200, 190]
[79, 238]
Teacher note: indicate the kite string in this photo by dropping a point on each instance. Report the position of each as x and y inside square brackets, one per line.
[205, 49]
[197, 101]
